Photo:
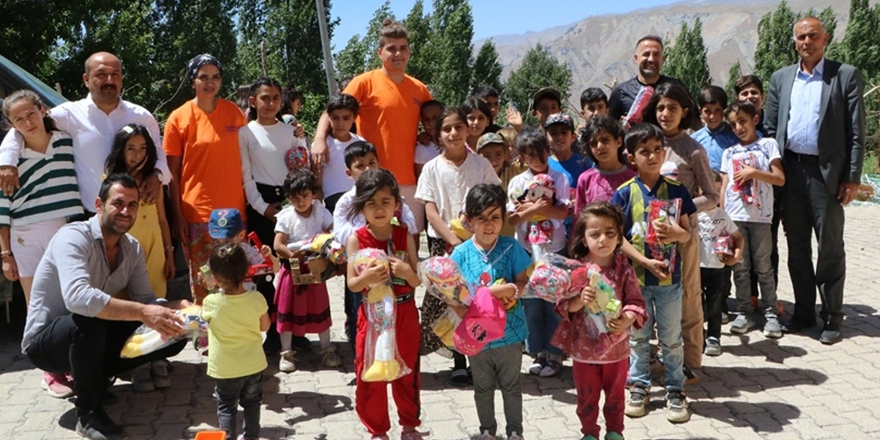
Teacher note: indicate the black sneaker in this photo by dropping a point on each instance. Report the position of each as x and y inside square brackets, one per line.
[98, 426]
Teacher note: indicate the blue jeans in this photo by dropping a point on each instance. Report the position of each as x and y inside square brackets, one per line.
[542, 322]
[246, 391]
[663, 304]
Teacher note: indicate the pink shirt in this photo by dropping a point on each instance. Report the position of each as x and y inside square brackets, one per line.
[595, 185]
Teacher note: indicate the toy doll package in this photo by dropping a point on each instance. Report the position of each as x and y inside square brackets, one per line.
[442, 278]
[663, 211]
[145, 340]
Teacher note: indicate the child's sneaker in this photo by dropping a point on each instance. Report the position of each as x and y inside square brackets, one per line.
[514, 436]
[159, 369]
[614, 436]
[638, 400]
[588, 437]
[330, 358]
[772, 328]
[691, 376]
[142, 379]
[742, 324]
[538, 365]
[677, 407]
[713, 347]
[552, 368]
[287, 363]
[414, 435]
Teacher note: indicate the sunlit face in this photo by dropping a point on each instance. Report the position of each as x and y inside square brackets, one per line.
[207, 81]
[453, 133]
[744, 126]
[135, 154]
[379, 209]
[267, 102]
[341, 120]
[560, 137]
[712, 115]
[104, 78]
[601, 236]
[302, 201]
[594, 108]
[752, 94]
[494, 104]
[669, 114]
[428, 117]
[487, 225]
[544, 108]
[649, 57]
[477, 123]
[604, 148]
[120, 210]
[27, 118]
[395, 54]
[362, 164]
[649, 156]
[810, 39]
[495, 154]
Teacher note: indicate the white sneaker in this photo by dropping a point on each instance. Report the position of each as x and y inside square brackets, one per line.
[287, 363]
[330, 358]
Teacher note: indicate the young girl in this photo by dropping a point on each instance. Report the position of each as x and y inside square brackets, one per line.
[603, 139]
[442, 187]
[378, 197]
[48, 182]
[484, 259]
[235, 361]
[302, 309]
[426, 148]
[601, 359]
[534, 149]
[479, 117]
[686, 161]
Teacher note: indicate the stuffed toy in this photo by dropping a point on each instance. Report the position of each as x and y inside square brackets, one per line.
[555, 277]
[324, 256]
[145, 340]
[483, 323]
[606, 307]
[442, 278]
[382, 362]
[540, 227]
[663, 211]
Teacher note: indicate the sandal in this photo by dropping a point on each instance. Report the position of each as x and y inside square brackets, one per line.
[459, 377]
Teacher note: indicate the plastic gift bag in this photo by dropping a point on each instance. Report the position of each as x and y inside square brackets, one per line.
[145, 340]
[606, 307]
[483, 323]
[442, 279]
[748, 191]
[664, 211]
[382, 362]
[555, 277]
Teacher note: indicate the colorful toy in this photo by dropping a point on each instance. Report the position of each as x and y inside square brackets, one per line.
[296, 158]
[555, 277]
[483, 323]
[540, 227]
[324, 257]
[723, 245]
[663, 211]
[382, 362]
[606, 307]
[442, 278]
[747, 191]
[460, 227]
[145, 340]
[643, 97]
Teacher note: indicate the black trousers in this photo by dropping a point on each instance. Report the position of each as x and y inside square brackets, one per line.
[713, 283]
[809, 207]
[89, 348]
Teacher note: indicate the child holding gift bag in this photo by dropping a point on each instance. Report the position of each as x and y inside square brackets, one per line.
[601, 356]
[378, 197]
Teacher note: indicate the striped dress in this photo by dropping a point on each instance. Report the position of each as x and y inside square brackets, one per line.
[48, 188]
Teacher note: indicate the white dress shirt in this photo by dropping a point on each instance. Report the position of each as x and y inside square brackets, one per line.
[92, 131]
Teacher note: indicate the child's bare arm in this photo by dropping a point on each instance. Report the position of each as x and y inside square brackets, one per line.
[724, 182]
[265, 322]
[280, 246]
[439, 224]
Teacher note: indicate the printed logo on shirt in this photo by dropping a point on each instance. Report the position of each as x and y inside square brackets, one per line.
[417, 102]
[231, 129]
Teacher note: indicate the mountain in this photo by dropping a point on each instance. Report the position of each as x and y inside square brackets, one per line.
[600, 48]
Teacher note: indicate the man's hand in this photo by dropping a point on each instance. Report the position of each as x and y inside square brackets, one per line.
[846, 191]
[163, 320]
[8, 179]
[151, 189]
[272, 211]
[179, 229]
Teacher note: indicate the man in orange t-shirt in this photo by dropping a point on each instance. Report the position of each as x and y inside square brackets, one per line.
[390, 102]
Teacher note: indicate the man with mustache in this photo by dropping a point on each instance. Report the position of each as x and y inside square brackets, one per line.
[90, 293]
[92, 122]
[649, 58]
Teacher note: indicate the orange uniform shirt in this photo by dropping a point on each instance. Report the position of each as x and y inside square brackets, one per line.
[389, 119]
[210, 175]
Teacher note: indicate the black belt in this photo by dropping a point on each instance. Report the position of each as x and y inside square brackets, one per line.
[807, 158]
[406, 297]
[271, 193]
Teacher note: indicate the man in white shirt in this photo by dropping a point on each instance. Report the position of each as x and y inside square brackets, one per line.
[92, 122]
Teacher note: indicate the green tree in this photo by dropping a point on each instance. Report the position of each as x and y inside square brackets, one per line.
[351, 61]
[732, 75]
[453, 26]
[538, 69]
[422, 65]
[294, 49]
[486, 69]
[775, 45]
[251, 32]
[371, 38]
[686, 59]
[861, 44]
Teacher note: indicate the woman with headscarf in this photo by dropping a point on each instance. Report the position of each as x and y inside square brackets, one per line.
[201, 141]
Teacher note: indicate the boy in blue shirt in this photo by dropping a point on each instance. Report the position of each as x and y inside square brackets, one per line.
[644, 145]
[716, 135]
[561, 136]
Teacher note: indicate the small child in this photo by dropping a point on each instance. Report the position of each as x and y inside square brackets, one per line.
[509, 136]
[716, 135]
[479, 116]
[342, 110]
[302, 309]
[236, 360]
[428, 114]
[534, 150]
[561, 135]
[484, 259]
[594, 103]
[226, 226]
[491, 96]
[545, 102]
[378, 197]
[716, 226]
[749, 171]
[492, 147]
[644, 145]
[603, 138]
[600, 358]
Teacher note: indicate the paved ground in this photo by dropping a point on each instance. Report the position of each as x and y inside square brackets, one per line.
[794, 388]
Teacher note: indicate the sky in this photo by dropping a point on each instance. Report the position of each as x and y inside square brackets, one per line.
[515, 17]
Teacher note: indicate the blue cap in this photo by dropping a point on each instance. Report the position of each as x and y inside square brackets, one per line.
[225, 223]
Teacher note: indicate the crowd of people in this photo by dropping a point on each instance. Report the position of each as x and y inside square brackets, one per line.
[675, 201]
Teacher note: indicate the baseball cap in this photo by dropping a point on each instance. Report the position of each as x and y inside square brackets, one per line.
[559, 119]
[489, 139]
[225, 223]
[546, 92]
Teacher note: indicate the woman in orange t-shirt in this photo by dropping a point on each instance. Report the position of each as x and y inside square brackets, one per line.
[201, 141]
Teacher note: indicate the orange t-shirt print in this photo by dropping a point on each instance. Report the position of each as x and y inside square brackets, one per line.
[389, 119]
[210, 175]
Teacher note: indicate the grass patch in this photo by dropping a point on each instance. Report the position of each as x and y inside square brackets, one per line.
[872, 163]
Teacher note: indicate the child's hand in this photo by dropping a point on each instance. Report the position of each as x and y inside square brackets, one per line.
[504, 291]
[514, 118]
[669, 232]
[169, 269]
[588, 295]
[265, 251]
[623, 322]
[377, 274]
[744, 175]
[659, 268]
[541, 206]
[400, 268]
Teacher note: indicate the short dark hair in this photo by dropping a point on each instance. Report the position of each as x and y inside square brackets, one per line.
[356, 150]
[675, 92]
[342, 101]
[371, 182]
[474, 103]
[229, 263]
[122, 179]
[712, 95]
[431, 103]
[748, 80]
[650, 38]
[602, 123]
[532, 140]
[391, 29]
[578, 249]
[300, 180]
[484, 196]
[593, 94]
[641, 133]
[484, 92]
[742, 106]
